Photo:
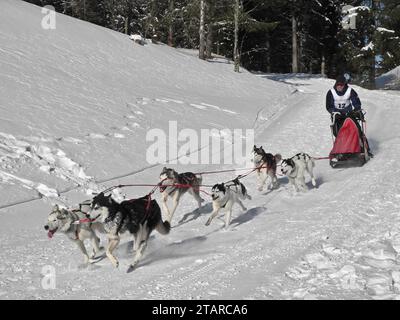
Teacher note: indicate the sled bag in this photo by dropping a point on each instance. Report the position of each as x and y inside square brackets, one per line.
[348, 140]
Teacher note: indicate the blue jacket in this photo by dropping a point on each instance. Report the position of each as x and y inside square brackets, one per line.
[355, 101]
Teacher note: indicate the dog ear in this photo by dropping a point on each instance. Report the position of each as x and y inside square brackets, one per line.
[56, 207]
[62, 214]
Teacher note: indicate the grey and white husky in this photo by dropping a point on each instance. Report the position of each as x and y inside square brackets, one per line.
[188, 179]
[224, 196]
[76, 225]
[138, 216]
[295, 167]
[266, 167]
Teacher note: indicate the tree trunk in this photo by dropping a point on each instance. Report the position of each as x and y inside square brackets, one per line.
[375, 5]
[295, 50]
[268, 57]
[236, 57]
[202, 30]
[323, 66]
[218, 41]
[209, 43]
[372, 72]
[171, 24]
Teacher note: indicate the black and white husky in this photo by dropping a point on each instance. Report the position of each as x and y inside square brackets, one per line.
[266, 164]
[294, 169]
[170, 177]
[224, 196]
[138, 216]
[76, 226]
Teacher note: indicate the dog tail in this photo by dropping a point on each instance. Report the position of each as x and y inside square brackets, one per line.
[163, 227]
[199, 179]
[244, 192]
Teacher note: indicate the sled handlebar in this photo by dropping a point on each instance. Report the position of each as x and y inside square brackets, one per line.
[357, 114]
[333, 114]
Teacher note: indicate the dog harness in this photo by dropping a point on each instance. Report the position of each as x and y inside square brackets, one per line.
[76, 219]
[235, 184]
[224, 205]
[293, 173]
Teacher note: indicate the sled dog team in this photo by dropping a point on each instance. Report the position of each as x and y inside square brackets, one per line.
[140, 217]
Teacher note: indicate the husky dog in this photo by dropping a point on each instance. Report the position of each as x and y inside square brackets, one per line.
[295, 167]
[76, 226]
[266, 164]
[138, 216]
[224, 196]
[170, 177]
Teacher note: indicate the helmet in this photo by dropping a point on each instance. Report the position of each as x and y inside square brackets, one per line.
[347, 77]
[340, 80]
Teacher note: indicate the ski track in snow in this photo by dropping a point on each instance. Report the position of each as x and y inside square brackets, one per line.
[14, 152]
[17, 153]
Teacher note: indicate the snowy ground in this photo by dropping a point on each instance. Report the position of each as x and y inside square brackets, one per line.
[389, 80]
[74, 114]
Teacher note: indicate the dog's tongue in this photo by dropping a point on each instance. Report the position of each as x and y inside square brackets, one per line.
[50, 234]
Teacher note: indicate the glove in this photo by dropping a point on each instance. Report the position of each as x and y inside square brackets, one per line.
[357, 114]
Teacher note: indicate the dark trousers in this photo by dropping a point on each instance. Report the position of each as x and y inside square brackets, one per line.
[337, 123]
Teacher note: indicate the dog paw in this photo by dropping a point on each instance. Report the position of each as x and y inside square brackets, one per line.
[97, 259]
[131, 268]
[314, 183]
[208, 222]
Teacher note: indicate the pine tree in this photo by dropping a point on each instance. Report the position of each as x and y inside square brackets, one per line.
[358, 46]
[202, 40]
[388, 36]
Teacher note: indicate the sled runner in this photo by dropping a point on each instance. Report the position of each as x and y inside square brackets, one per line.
[350, 147]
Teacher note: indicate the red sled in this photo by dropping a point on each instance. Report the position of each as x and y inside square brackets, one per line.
[350, 147]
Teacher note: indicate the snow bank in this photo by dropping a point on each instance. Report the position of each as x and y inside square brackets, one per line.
[389, 80]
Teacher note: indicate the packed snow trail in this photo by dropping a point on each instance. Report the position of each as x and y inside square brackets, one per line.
[337, 241]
